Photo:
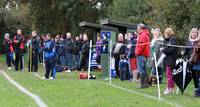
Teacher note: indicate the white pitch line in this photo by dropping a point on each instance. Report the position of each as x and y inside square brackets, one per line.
[145, 95]
[133, 92]
[36, 98]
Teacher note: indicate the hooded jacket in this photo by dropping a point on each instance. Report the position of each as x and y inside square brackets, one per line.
[143, 44]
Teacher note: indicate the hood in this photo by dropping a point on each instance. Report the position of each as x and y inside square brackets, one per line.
[145, 31]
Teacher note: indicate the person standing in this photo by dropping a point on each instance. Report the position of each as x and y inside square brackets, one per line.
[142, 52]
[33, 52]
[98, 49]
[68, 52]
[61, 51]
[84, 53]
[57, 45]
[170, 57]
[156, 44]
[19, 50]
[49, 56]
[131, 55]
[8, 50]
[76, 53]
[188, 53]
[118, 49]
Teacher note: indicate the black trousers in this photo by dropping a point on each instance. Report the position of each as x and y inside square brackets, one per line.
[19, 60]
[40, 56]
[84, 62]
[33, 66]
[50, 66]
[196, 77]
[117, 67]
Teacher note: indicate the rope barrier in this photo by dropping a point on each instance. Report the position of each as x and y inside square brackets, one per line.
[148, 43]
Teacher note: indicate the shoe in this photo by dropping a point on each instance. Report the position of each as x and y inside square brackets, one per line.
[9, 68]
[68, 71]
[168, 91]
[44, 78]
[51, 78]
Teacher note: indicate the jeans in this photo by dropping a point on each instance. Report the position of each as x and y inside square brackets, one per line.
[69, 59]
[77, 61]
[63, 60]
[141, 64]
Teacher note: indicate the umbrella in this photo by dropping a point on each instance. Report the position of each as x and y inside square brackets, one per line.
[182, 74]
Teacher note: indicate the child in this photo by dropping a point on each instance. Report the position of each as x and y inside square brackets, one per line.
[8, 50]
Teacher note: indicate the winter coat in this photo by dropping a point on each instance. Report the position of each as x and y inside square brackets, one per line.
[188, 51]
[118, 49]
[57, 45]
[19, 42]
[49, 50]
[133, 42]
[61, 49]
[170, 51]
[196, 66]
[68, 46]
[35, 44]
[98, 48]
[85, 48]
[155, 48]
[75, 48]
[143, 46]
[8, 45]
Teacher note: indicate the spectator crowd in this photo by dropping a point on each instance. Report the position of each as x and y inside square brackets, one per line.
[141, 53]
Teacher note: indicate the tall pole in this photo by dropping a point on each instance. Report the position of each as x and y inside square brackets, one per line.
[90, 52]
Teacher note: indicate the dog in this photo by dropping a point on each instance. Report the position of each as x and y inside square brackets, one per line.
[152, 80]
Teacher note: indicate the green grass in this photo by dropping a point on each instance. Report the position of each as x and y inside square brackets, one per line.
[11, 97]
[68, 91]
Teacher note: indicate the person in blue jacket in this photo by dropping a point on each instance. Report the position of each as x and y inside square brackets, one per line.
[49, 58]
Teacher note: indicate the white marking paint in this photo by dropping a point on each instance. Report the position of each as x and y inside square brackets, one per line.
[36, 98]
[145, 95]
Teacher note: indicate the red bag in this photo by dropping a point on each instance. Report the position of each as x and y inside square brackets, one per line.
[83, 75]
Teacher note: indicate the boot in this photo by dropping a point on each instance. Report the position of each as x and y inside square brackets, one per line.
[141, 82]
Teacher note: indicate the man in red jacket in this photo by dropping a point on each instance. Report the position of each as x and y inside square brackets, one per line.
[142, 52]
[19, 50]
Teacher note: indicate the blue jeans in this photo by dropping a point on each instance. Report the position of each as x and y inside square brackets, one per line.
[77, 61]
[63, 60]
[141, 64]
[69, 59]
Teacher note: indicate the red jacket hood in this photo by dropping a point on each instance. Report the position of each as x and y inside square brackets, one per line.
[146, 32]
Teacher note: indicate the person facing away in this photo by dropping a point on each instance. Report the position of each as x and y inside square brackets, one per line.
[34, 52]
[49, 58]
[142, 52]
[19, 50]
[9, 51]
